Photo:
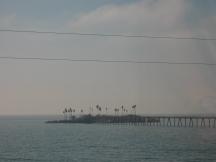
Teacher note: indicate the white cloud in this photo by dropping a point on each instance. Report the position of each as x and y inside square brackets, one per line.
[154, 88]
[140, 17]
[163, 17]
[7, 20]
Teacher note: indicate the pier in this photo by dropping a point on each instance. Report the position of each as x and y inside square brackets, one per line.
[150, 121]
[128, 116]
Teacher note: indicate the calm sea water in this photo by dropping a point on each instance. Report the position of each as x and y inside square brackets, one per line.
[33, 140]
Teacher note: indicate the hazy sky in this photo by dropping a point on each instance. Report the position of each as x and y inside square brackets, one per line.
[41, 87]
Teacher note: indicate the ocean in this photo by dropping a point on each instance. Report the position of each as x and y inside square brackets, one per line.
[31, 139]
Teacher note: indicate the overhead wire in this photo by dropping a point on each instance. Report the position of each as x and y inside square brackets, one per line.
[108, 35]
[104, 61]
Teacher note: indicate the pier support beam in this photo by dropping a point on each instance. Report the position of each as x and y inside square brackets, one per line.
[209, 123]
[203, 122]
[191, 122]
[179, 122]
[214, 122]
[169, 122]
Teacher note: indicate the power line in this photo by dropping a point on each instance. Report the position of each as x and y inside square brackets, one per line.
[104, 61]
[106, 35]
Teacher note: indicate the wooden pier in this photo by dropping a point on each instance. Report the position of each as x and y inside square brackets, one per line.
[179, 121]
[153, 120]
